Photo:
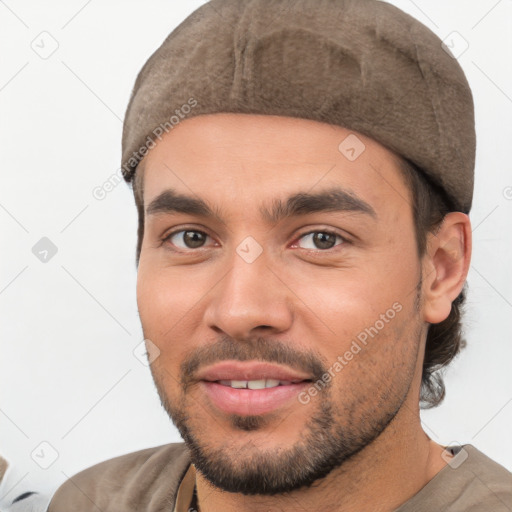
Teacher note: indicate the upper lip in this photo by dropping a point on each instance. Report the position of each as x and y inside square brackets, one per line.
[238, 370]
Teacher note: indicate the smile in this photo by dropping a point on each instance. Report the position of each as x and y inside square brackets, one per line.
[256, 384]
[251, 387]
[253, 397]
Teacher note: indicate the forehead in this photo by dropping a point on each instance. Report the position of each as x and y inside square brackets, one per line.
[243, 157]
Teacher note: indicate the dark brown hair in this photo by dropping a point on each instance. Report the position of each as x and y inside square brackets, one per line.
[445, 340]
[430, 204]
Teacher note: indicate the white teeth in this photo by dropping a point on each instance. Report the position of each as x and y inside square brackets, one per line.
[239, 384]
[254, 384]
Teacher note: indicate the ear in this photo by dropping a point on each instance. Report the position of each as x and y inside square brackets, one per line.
[445, 266]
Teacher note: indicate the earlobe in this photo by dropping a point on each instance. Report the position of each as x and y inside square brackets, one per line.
[446, 266]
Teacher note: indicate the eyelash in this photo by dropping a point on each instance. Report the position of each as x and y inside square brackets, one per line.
[299, 237]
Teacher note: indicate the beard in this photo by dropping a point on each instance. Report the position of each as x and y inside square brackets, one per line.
[333, 433]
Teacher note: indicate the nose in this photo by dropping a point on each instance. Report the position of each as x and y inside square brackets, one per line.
[251, 297]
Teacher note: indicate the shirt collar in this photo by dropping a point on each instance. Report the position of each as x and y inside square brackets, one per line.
[186, 490]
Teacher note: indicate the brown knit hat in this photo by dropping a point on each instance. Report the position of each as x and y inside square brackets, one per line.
[361, 64]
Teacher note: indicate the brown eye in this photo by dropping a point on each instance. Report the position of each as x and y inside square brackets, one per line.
[320, 240]
[187, 239]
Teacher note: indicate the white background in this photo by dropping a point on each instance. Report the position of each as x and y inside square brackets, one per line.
[68, 375]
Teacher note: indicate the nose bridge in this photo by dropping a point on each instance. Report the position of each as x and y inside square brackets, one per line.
[249, 295]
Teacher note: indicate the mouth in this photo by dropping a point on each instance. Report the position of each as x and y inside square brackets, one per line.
[257, 373]
[251, 388]
[258, 384]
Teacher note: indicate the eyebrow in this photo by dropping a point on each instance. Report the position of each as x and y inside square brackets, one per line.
[333, 199]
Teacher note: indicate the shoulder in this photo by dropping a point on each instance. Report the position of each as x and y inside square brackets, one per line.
[470, 482]
[144, 480]
[489, 484]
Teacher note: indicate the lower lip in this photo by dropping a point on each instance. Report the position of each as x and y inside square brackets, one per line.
[250, 402]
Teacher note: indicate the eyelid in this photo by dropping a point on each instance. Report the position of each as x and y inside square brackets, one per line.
[165, 238]
[332, 231]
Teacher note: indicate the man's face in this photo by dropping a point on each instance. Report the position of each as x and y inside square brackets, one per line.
[275, 290]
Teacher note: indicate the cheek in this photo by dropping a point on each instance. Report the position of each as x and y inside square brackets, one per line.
[347, 301]
[149, 301]
[367, 318]
[375, 374]
[169, 308]
[160, 307]
[163, 296]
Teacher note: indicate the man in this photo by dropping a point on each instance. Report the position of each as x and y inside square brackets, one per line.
[303, 172]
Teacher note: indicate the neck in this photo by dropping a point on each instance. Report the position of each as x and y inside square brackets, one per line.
[381, 477]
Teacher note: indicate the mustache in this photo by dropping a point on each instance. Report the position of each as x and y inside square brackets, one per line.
[260, 349]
